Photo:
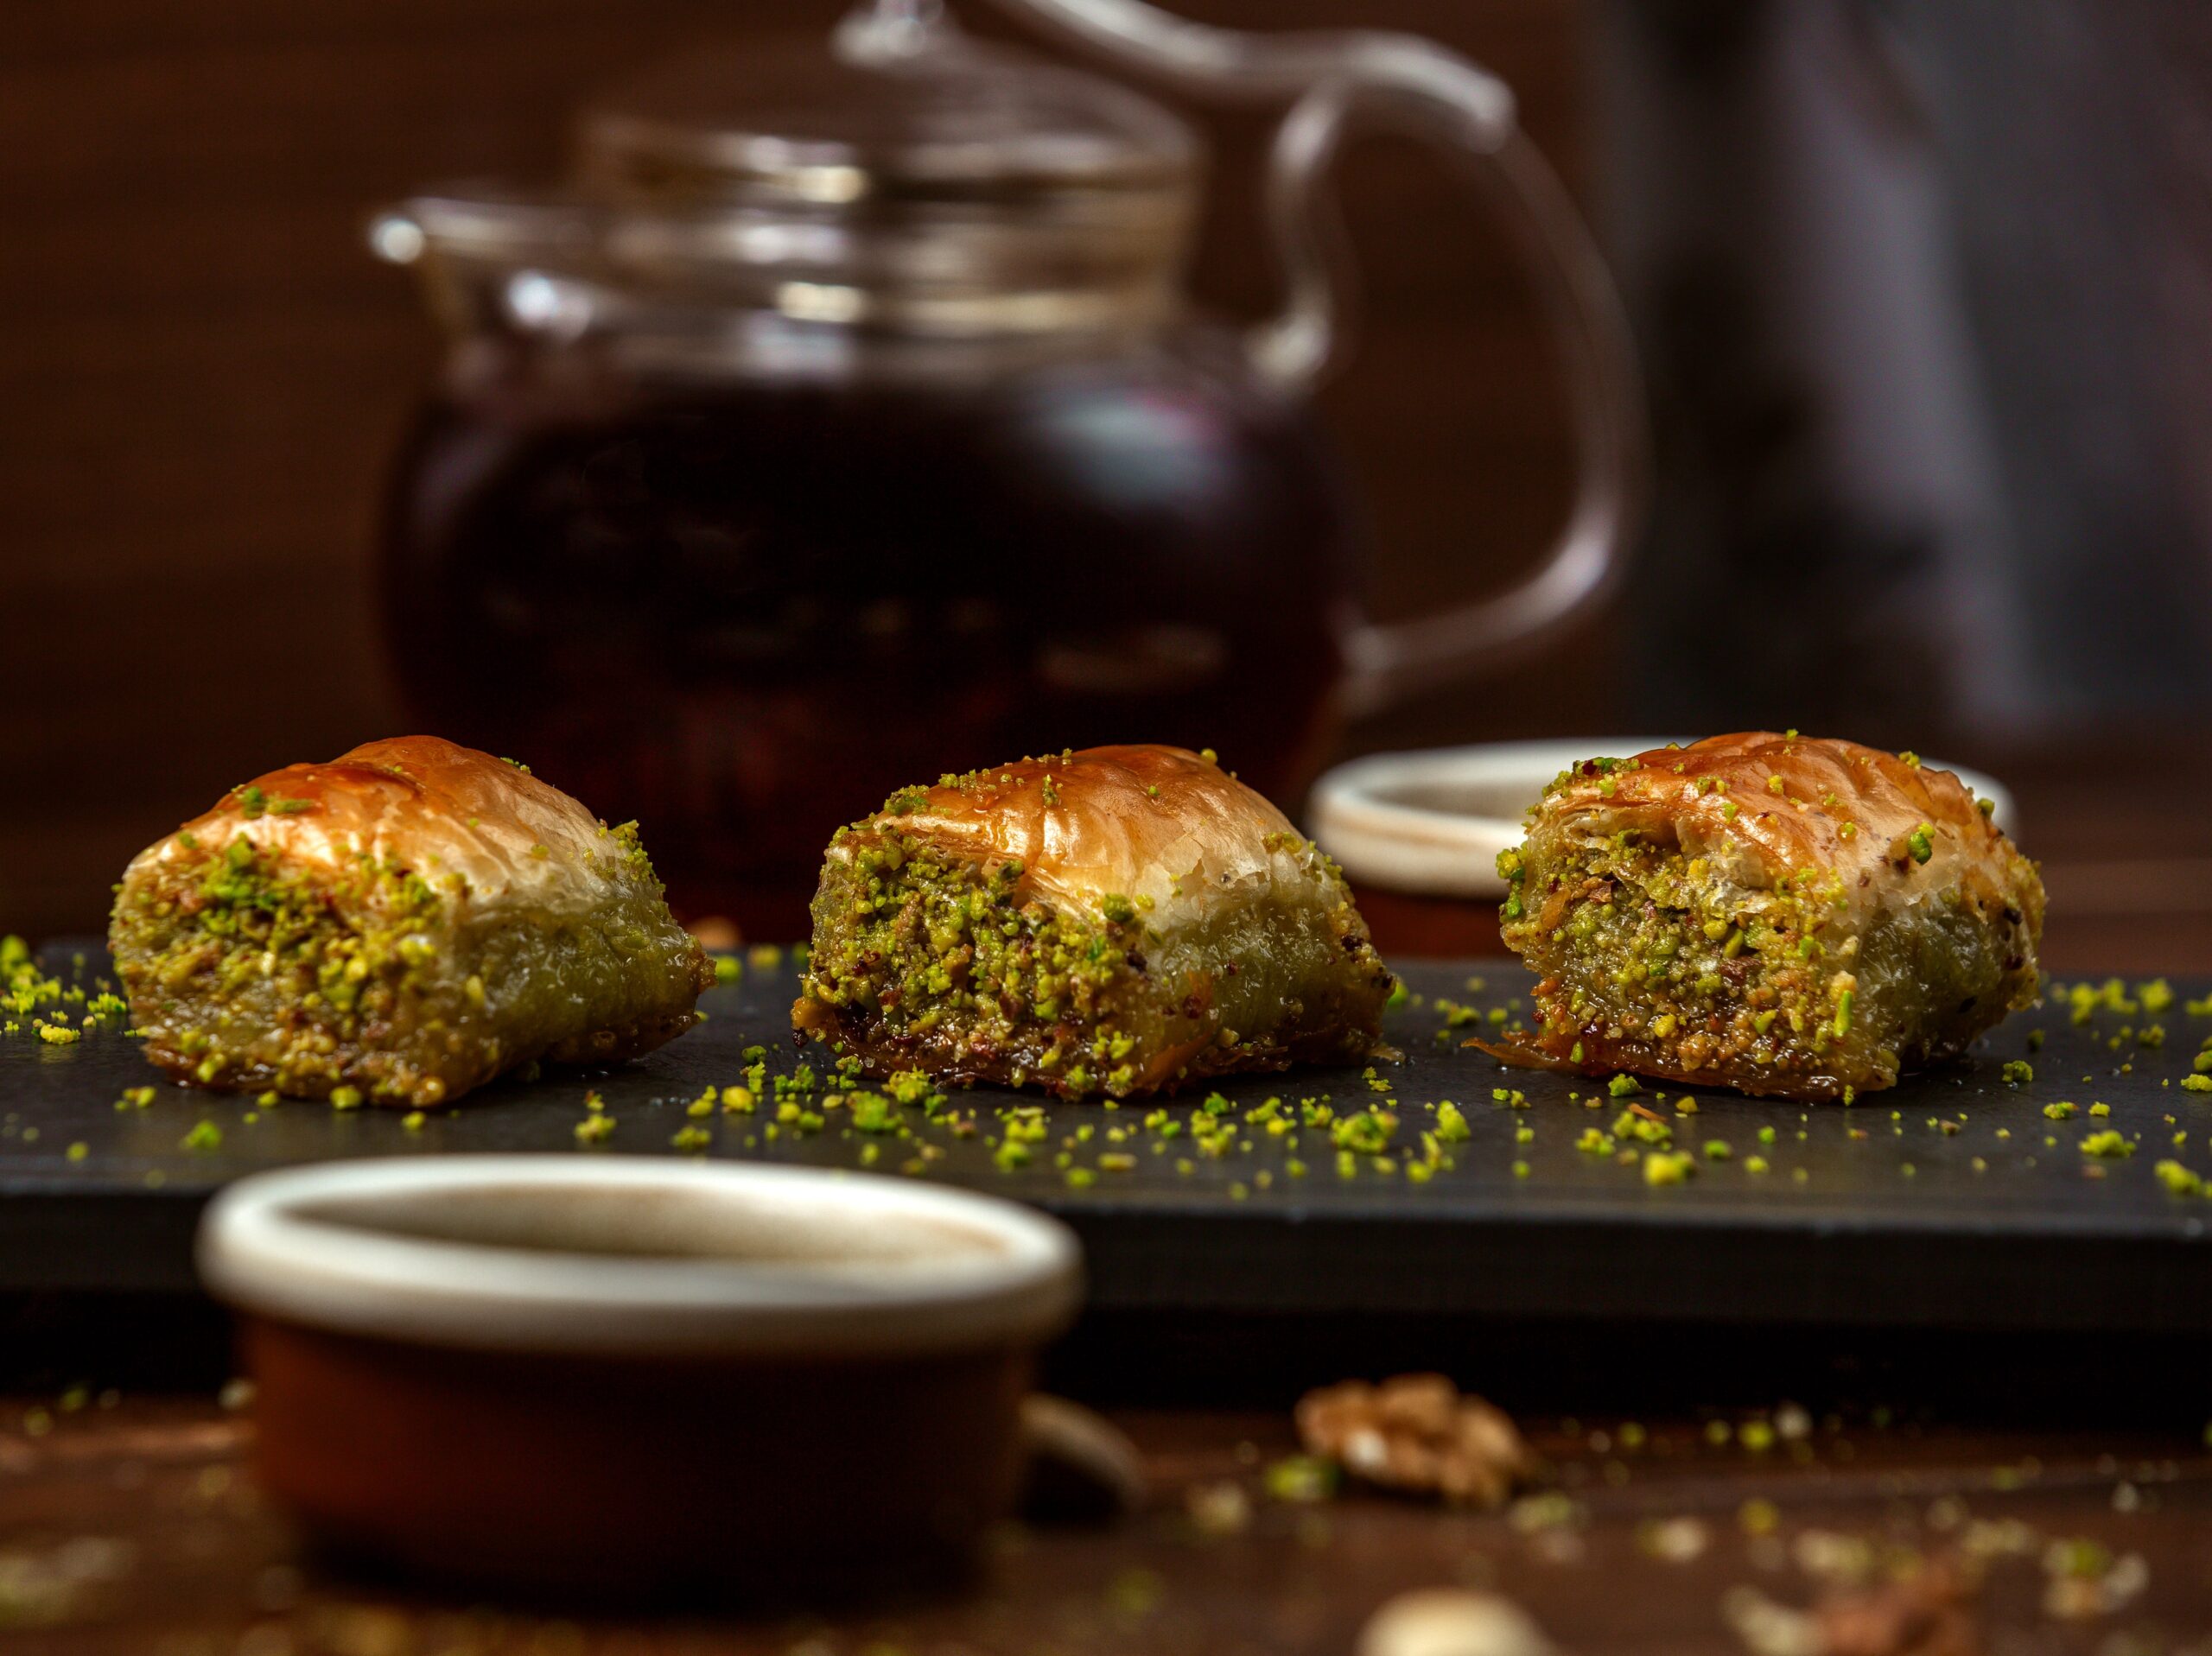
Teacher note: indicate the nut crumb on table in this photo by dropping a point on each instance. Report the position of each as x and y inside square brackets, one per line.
[1417, 1433]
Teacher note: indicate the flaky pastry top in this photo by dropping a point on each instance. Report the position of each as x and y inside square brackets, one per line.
[1138, 821]
[422, 802]
[1764, 805]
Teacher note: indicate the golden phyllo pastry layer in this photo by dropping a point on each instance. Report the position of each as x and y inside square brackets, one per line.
[1119, 920]
[398, 926]
[1784, 916]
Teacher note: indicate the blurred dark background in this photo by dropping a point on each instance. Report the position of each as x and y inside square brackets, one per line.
[1921, 292]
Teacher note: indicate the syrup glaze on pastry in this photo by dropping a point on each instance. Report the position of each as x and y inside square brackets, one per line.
[1785, 915]
[1119, 920]
[399, 925]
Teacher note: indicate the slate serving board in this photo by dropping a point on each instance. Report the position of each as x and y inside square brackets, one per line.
[1876, 1216]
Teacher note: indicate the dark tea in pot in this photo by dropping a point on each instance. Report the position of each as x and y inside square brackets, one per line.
[746, 611]
[840, 423]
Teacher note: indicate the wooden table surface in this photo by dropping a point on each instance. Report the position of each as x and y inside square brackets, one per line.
[132, 1524]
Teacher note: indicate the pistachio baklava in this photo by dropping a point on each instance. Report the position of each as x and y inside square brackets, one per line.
[398, 926]
[1117, 921]
[1795, 917]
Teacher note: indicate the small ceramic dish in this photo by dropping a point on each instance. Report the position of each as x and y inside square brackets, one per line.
[1432, 823]
[630, 1378]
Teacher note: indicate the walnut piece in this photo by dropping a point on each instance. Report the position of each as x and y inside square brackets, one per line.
[1418, 1433]
[1921, 1613]
[1918, 1614]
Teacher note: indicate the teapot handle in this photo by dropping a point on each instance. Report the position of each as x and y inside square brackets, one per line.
[1415, 86]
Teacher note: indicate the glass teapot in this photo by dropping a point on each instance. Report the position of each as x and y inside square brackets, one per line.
[840, 421]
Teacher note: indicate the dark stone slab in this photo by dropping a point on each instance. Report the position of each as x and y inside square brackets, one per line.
[1872, 1216]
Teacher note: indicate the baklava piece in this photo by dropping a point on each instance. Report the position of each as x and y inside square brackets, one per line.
[1117, 921]
[398, 926]
[1801, 918]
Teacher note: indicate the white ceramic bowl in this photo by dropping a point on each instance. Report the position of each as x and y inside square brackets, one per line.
[634, 1378]
[1433, 822]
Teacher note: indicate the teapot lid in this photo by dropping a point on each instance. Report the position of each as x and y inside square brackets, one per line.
[899, 177]
[896, 106]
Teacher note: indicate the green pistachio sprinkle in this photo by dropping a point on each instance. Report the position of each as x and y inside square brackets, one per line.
[2180, 1181]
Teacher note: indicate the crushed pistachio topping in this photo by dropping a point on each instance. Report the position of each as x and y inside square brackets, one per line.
[1659, 956]
[923, 958]
[251, 967]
